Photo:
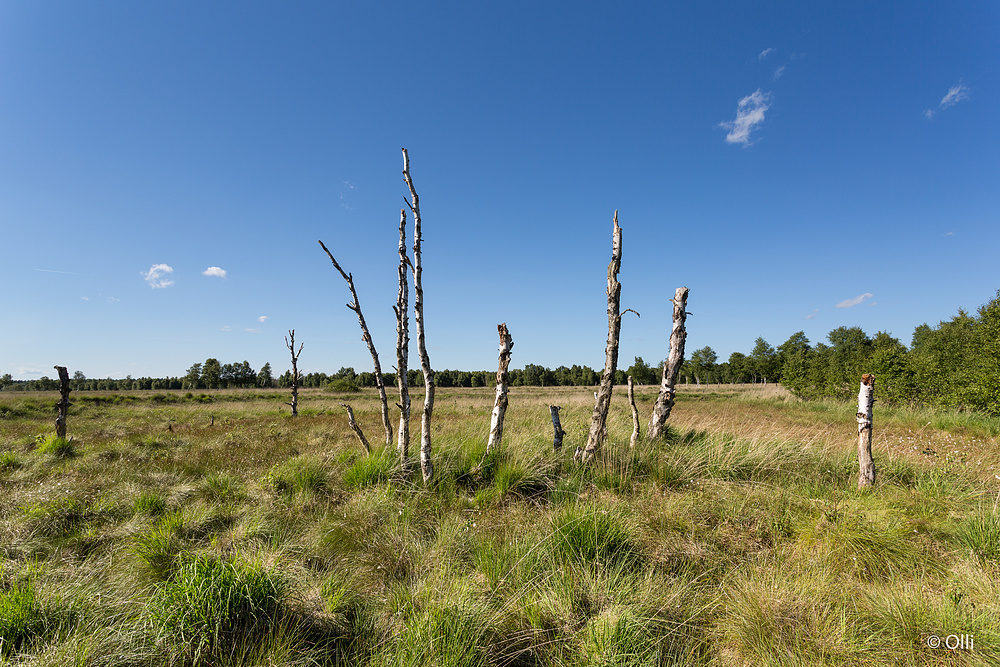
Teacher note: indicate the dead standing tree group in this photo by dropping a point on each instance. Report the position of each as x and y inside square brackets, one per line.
[290, 344]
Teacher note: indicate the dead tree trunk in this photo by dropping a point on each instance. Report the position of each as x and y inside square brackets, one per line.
[426, 465]
[367, 338]
[635, 413]
[557, 427]
[598, 424]
[357, 429]
[62, 407]
[500, 404]
[866, 399]
[671, 367]
[403, 348]
[290, 344]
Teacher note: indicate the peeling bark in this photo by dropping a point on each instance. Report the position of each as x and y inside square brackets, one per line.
[295, 372]
[598, 424]
[367, 338]
[62, 407]
[635, 413]
[426, 464]
[500, 403]
[557, 427]
[866, 400]
[357, 429]
[671, 368]
[403, 348]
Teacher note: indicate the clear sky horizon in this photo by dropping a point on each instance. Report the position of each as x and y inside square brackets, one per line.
[169, 167]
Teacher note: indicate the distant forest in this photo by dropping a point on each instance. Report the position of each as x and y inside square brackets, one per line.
[955, 364]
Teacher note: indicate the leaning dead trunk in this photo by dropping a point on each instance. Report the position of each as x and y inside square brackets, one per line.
[635, 413]
[403, 348]
[557, 427]
[367, 338]
[671, 367]
[500, 403]
[426, 465]
[294, 404]
[62, 407]
[357, 429]
[866, 399]
[598, 424]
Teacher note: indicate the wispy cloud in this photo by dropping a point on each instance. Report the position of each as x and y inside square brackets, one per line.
[72, 273]
[263, 318]
[955, 95]
[227, 328]
[214, 272]
[157, 276]
[85, 298]
[112, 299]
[764, 54]
[777, 73]
[850, 303]
[253, 330]
[749, 114]
[813, 314]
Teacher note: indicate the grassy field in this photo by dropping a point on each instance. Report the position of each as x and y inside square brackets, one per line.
[212, 528]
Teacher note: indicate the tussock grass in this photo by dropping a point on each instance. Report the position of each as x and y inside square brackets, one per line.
[738, 539]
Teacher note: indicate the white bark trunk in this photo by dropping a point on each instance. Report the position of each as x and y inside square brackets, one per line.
[866, 401]
[671, 367]
[403, 348]
[635, 413]
[426, 464]
[500, 403]
[357, 429]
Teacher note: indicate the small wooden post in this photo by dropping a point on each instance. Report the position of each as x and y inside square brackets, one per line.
[559, 432]
[357, 429]
[635, 413]
[63, 405]
[866, 399]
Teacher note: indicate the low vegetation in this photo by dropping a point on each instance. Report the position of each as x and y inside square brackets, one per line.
[180, 530]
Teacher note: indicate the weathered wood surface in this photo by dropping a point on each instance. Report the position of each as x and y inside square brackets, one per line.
[426, 464]
[635, 413]
[598, 424]
[367, 338]
[866, 402]
[62, 407]
[671, 367]
[403, 348]
[357, 429]
[556, 427]
[294, 403]
[503, 380]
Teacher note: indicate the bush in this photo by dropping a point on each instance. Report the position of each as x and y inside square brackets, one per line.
[342, 385]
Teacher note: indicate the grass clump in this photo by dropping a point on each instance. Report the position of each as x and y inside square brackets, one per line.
[981, 534]
[371, 470]
[298, 475]
[20, 615]
[55, 446]
[585, 535]
[210, 604]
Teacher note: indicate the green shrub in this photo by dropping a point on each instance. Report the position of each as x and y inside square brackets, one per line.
[342, 385]
[209, 604]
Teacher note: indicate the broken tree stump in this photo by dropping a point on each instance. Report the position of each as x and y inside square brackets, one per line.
[635, 413]
[357, 429]
[866, 400]
[671, 368]
[500, 403]
[62, 407]
[557, 427]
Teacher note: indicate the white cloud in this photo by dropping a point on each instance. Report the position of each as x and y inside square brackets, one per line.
[227, 328]
[263, 318]
[253, 330]
[156, 276]
[955, 95]
[112, 299]
[85, 298]
[749, 114]
[214, 272]
[764, 54]
[778, 72]
[812, 314]
[850, 303]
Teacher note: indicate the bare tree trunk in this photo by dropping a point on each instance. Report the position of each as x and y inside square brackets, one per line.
[557, 427]
[671, 367]
[598, 424]
[367, 338]
[426, 465]
[357, 429]
[635, 413]
[62, 406]
[403, 348]
[295, 371]
[500, 404]
[866, 400]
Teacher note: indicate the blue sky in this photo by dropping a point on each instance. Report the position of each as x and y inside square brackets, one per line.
[168, 168]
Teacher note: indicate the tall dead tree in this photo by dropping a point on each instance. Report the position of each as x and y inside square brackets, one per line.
[635, 413]
[556, 427]
[866, 401]
[426, 465]
[290, 344]
[403, 348]
[500, 403]
[598, 424]
[367, 338]
[671, 367]
[62, 407]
